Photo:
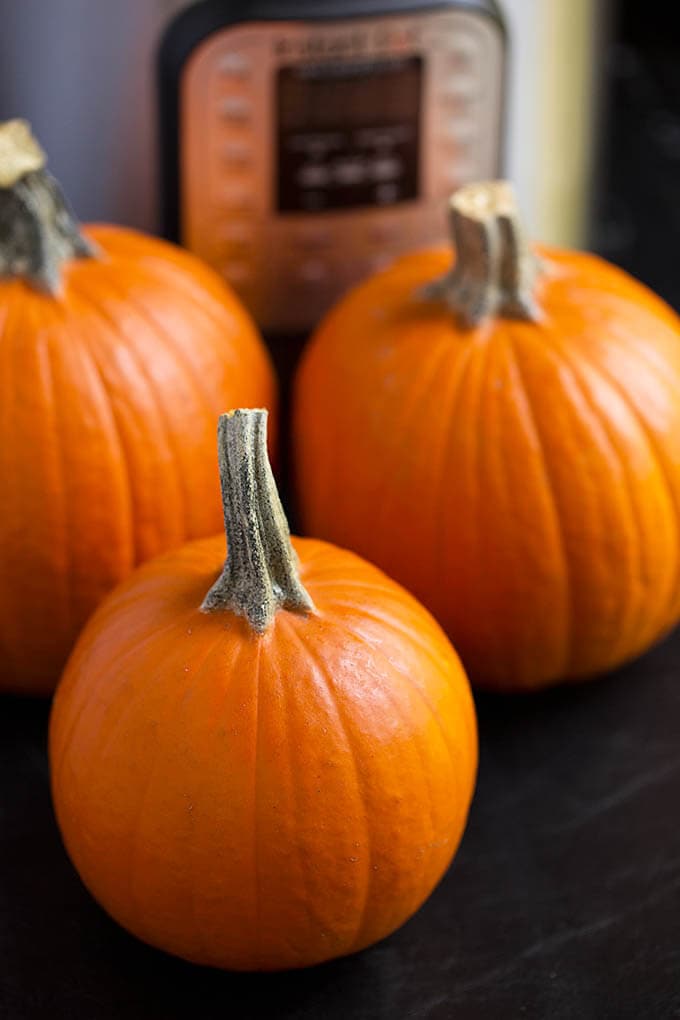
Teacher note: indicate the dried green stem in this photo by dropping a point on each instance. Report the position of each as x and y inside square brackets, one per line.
[38, 232]
[495, 270]
[260, 575]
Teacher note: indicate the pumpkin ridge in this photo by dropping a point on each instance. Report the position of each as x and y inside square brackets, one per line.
[475, 421]
[439, 502]
[315, 549]
[353, 582]
[170, 707]
[549, 488]
[147, 315]
[316, 579]
[201, 682]
[134, 650]
[643, 351]
[436, 662]
[7, 329]
[256, 857]
[614, 283]
[179, 354]
[609, 434]
[117, 432]
[659, 459]
[105, 317]
[410, 683]
[68, 738]
[159, 269]
[138, 818]
[388, 621]
[426, 782]
[470, 715]
[211, 311]
[291, 747]
[495, 420]
[180, 485]
[45, 354]
[85, 705]
[427, 372]
[321, 672]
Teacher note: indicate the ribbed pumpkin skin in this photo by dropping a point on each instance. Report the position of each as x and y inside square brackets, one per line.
[523, 480]
[108, 399]
[262, 802]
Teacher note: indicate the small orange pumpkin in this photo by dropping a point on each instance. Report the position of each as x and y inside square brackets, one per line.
[275, 774]
[506, 444]
[117, 352]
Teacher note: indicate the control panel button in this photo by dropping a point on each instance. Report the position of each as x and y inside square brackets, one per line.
[459, 173]
[235, 108]
[349, 172]
[458, 90]
[463, 54]
[235, 64]
[459, 104]
[461, 129]
[386, 168]
[237, 195]
[237, 153]
[313, 175]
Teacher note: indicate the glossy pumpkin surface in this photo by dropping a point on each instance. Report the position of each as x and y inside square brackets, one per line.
[521, 478]
[262, 801]
[109, 392]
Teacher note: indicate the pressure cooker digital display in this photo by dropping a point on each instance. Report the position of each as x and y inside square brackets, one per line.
[348, 134]
[309, 143]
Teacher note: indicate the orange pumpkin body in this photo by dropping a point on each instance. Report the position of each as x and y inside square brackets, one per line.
[262, 801]
[108, 397]
[521, 478]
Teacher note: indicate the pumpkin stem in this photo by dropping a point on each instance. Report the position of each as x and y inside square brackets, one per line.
[260, 575]
[495, 270]
[38, 231]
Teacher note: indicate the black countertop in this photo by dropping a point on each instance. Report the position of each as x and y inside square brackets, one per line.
[563, 902]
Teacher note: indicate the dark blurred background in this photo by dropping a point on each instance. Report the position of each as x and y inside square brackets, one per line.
[636, 220]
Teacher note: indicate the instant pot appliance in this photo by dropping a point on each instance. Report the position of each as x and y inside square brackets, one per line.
[305, 143]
